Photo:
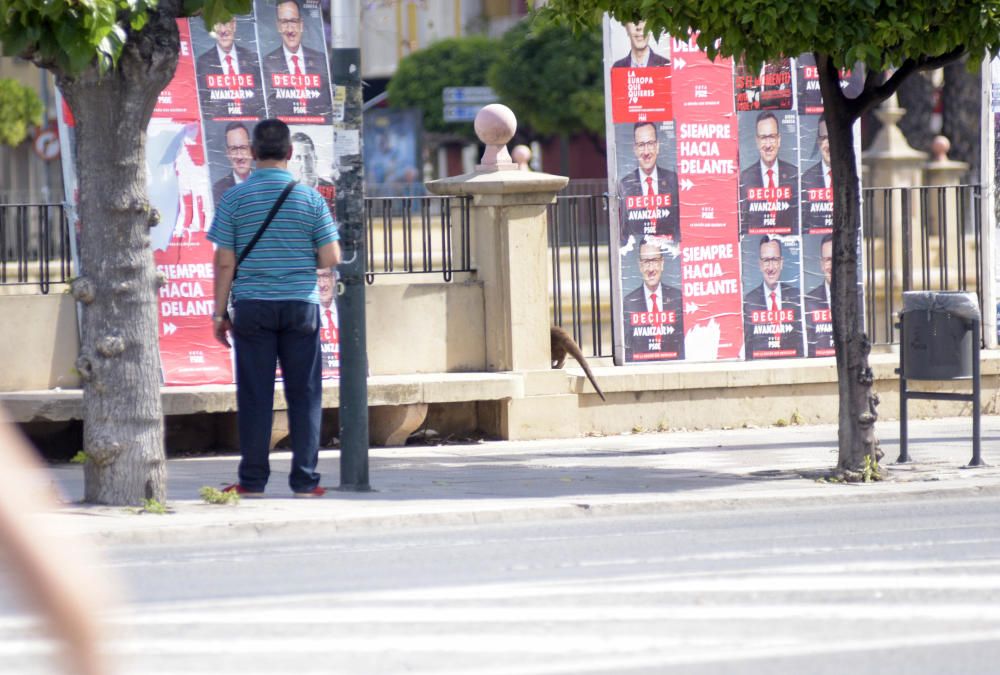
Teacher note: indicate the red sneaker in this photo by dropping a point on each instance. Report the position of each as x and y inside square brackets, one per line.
[243, 492]
[315, 492]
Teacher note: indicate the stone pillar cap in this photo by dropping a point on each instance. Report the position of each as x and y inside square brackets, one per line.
[495, 125]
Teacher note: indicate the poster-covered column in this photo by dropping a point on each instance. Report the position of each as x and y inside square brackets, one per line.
[707, 169]
[179, 190]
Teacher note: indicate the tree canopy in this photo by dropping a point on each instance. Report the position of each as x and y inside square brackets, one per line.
[882, 34]
[422, 76]
[69, 37]
[552, 78]
[20, 109]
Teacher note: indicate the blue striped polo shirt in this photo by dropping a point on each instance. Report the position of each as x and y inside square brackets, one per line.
[282, 265]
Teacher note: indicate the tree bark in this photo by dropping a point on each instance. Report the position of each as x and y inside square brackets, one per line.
[119, 361]
[857, 399]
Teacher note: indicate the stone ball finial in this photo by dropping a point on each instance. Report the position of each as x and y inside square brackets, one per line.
[939, 148]
[495, 125]
[521, 154]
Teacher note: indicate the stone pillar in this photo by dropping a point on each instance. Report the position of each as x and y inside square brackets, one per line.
[510, 248]
[510, 243]
[943, 204]
[892, 163]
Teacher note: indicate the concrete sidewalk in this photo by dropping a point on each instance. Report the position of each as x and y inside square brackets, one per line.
[571, 478]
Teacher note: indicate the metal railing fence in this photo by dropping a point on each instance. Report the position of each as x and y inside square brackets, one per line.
[919, 239]
[407, 235]
[34, 245]
[581, 270]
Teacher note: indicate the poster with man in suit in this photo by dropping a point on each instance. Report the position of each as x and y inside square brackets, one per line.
[653, 312]
[296, 70]
[228, 70]
[817, 179]
[769, 177]
[648, 194]
[230, 161]
[640, 78]
[818, 314]
[772, 310]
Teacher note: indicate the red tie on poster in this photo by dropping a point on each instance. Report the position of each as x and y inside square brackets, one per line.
[652, 299]
[774, 302]
[770, 179]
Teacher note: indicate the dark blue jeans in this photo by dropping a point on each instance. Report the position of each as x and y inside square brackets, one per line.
[266, 332]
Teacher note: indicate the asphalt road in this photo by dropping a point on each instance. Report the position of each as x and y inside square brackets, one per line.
[895, 587]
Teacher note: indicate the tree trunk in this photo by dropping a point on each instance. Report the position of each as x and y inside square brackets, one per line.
[858, 402]
[119, 361]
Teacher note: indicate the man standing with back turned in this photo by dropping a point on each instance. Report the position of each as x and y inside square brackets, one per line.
[275, 308]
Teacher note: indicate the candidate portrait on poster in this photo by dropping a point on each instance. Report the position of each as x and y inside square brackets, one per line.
[769, 174]
[652, 306]
[818, 263]
[647, 186]
[296, 68]
[230, 159]
[311, 162]
[817, 175]
[636, 46]
[772, 306]
[228, 69]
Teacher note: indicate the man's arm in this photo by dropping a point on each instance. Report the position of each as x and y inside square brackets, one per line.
[224, 267]
[328, 255]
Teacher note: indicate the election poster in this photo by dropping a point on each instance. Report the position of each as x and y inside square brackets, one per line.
[816, 191]
[648, 187]
[722, 202]
[640, 77]
[769, 173]
[270, 63]
[772, 300]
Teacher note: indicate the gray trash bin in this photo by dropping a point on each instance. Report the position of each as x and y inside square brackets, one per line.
[938, 330]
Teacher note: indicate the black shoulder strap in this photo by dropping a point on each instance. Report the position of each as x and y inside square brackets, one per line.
[267, 221]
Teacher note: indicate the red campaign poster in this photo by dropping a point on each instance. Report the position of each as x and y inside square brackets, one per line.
[180, 190]
[710, 274]
[707, 171]
[179, 99]
[189, 353]
[640, 94]
[698, 83]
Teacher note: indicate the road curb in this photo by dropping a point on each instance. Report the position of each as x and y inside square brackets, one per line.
[218, 529]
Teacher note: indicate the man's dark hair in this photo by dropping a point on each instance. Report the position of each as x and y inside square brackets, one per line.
[271, 140]
[826, 238]
[767, 239]
[766, 115]
[299, 137]
[639, 125]
[232, 126]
